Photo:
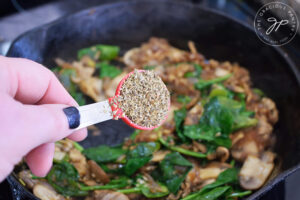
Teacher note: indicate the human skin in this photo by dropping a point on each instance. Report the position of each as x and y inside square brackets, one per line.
[31, 115]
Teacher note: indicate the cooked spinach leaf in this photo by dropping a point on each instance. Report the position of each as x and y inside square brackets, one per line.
[107, 52]
[64, 75]
[64, 178]
[183, 99]
[217, 189]
[201, 84]
[172, 171]
[149, 188]
[108, 70]
[221, 116]
[103, 153]
[139, 156]
[196, 73]
[179, 116]
[149, 67]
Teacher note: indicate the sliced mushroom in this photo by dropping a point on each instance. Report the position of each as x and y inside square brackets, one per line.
[194, 114]
[98, 172]
[212, 170]
[248, 142]
[198, 147]
[79, 162]
[110, 86]
[109, 195]
[222, 153]
[255, 171]
[209, 173]
[159, 155]
[59, 155]
[45, 192]
[26, 177]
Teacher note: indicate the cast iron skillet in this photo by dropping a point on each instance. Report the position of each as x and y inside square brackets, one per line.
[216, 35]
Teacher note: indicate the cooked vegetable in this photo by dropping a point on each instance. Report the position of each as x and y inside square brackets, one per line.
[196, 73]
[201, 84]
[139, 156]
[64, 178]
[172, 171]
[217, 190]
[104, 154]
[104, 52]
[221, 116]
[216, 123]
[107, 70]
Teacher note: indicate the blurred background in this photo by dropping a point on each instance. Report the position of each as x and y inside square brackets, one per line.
[19, 16]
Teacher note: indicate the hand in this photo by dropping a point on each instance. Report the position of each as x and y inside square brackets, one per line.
[31, 115]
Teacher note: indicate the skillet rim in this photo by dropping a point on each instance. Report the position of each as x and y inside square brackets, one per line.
[12, 178]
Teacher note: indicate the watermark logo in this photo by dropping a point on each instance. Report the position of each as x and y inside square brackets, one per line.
[276, 24]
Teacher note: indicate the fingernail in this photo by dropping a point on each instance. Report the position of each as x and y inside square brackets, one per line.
[73, 116]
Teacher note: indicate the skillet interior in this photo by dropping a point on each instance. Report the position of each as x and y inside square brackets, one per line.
[216, 36]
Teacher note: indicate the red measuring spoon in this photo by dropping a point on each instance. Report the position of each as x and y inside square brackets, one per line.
[118, 113]
[83, 116]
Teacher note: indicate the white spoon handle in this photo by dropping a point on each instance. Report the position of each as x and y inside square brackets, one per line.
[94, 113]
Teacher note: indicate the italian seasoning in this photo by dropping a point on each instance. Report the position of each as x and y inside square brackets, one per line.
[144, 98]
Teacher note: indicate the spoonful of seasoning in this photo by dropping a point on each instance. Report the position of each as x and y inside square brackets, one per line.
[141, 100]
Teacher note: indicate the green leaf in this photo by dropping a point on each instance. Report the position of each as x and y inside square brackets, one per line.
[221, 116]
[107, 52]
[205, 83]
[183, 99]
[179, 116]
[169, 173]
[216, 190]
[161, 191]
[103, 153]
[196, 73]
[139, 156]
[147, 67]
[79, 97]
[107, 70]
[64, 178]
[64, 76]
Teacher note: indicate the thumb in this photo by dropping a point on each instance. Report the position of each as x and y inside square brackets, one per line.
[48, 123]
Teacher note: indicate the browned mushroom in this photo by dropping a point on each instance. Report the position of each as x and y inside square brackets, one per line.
[44, 191]
[97, 172]
[26, 177]
[222, 153]
[255, 171]
[198, 147]
[194, 114]
[108, 195]
[159, 155]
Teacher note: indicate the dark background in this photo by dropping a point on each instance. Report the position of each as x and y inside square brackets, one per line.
[19, 16]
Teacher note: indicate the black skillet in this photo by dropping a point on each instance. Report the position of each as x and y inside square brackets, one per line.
[216, 35]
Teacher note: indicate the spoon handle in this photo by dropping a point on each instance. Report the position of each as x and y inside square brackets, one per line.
[83, 116]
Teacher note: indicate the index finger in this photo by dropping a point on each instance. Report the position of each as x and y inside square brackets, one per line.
[31, 83]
